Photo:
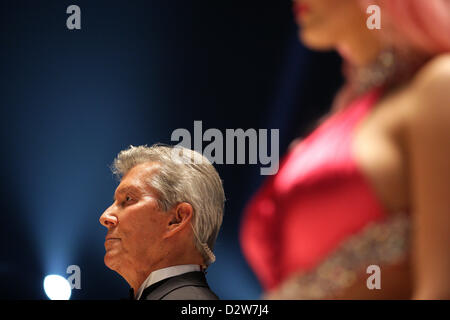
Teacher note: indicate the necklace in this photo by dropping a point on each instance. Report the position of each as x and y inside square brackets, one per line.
[390, 69]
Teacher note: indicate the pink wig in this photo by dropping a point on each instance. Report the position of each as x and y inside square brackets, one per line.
[422, 23]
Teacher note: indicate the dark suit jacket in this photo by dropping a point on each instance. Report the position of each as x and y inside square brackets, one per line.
[186, 286]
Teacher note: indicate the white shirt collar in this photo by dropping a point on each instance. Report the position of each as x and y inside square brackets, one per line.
[164, 273]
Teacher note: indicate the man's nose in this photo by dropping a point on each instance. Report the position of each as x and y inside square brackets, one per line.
[108, 219]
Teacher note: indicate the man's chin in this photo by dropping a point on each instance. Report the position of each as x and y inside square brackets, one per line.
[110, 261]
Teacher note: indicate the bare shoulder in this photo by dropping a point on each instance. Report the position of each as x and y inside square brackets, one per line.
[438, 66]
[429, 92]
[433, 78]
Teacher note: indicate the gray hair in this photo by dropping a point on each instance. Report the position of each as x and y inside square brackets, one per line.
[184, 176]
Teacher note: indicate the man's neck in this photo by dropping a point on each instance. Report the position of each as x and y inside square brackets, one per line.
[161, 274]
[136, 278]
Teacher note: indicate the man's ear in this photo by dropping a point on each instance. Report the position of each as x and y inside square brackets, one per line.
[180, 218]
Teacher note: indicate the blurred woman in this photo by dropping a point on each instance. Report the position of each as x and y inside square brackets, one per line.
[360, 208]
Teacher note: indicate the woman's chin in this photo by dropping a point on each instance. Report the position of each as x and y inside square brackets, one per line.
[315, 42]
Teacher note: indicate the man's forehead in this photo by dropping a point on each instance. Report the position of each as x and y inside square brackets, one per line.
[136, 177]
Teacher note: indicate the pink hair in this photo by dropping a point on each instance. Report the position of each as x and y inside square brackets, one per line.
[423, 23]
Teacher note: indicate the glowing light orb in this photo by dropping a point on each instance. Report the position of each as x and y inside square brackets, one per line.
[57, 287]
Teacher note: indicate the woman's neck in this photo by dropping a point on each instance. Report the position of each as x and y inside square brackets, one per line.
[360, 49]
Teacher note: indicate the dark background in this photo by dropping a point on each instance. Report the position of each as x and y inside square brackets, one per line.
[136, 71]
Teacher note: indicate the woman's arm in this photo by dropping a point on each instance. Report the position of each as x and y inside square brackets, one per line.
[428, 136]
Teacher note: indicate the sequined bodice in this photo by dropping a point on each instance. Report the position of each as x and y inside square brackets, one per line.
[379, 244]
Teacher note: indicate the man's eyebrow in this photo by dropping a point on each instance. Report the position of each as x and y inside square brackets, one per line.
[125, 190]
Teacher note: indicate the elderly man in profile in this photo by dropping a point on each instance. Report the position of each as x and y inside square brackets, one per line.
[163, 223]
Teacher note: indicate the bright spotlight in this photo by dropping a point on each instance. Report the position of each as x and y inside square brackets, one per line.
[57, 287]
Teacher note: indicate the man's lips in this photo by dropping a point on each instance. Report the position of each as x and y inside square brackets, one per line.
[111, 238]
[109, 242]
